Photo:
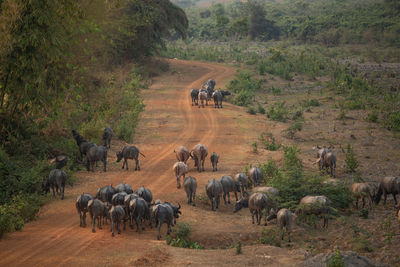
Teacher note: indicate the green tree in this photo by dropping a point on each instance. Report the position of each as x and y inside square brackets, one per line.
[141, 26]
[259, 26]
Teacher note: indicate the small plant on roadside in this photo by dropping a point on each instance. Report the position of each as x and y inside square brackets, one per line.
[335, 260]
[297, 126]
[239, 247]
[269, 142]
[351, 161]
[386, 228]
[270, 237]
[364, 213]
[255, 147]
[251, 110]
[260, 109]
[181, 239]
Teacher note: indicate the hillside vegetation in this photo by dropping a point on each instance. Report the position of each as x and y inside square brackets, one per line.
[69, 65]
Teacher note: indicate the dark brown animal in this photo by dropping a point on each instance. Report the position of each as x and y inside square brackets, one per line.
[388, 185]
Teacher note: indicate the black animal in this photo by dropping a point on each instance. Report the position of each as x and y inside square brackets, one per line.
[124, 188]
[144, 193]
[118, 199]
[129, 152]
[56, 180]
[107, 135]
[163, 213]
[214, 161]
[224, 93]
[96, 153]
[139, 211]
[82, 207]
[83, 144]
[117, 214]
[194, 95]
[106, 193]
[60, 161]
[218, 97]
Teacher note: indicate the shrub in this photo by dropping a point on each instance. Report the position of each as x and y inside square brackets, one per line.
[260, 109]
[351, 161]
[270, 237]
[181, 232]
[278, 112]
[269, 143]
[239, 247]
[251, 110]
[275, 90]
[364, 213]
[243, 98]
[296, 126]
[335, 260]
[255, 147]
[372, 116]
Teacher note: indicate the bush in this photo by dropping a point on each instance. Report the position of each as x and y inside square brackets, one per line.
[251, 110]
[335, 260]
[372, 116]
[364, 213]
[295, 127]
[275, 90]
[351, 161]
[239, 247]
[269, 143]
[270, 237]
[278, 112]
[260, 109]
[181, 232]
[243, 98]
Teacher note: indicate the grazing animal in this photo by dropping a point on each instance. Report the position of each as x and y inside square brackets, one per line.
[56, 180]
[388, 185]
[214, 190]
[139, 211]
[199, 154]
[82, 207]
[117, 214]
[190, 186]
[98, 210]
[118, 199]
[163, 213]
[209, 86]
[107, 135]
[106, 193]
[124, 188]
[203, 96]
[218, 97]
[144, 193]
[82, 143]
[271, 191]
[182, 154]
[328, 161]
[317, 205]
[242, 180]
[214, 161]
[176, 211]
[229, 185]
[362, 190]
[129, 152]
[285, 219]
[255, 176]
[95, 154]
[257, 203]
[180, 169]
[60, 161]
[194, 93]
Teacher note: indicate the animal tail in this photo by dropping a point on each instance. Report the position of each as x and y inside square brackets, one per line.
[142, 154]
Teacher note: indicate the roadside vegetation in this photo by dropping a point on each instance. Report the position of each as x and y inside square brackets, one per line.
[69, 65]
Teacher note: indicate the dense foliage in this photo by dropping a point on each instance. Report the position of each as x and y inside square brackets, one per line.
[58, 72]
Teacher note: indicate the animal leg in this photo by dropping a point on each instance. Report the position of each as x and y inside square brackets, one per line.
[54, 194]
[159, 229]
[178, 181]
[218, 201]
[224, 198]
[84, 219]
[357, 203]
[93, 224]
[126, 164]
[236, 196]
[252, 217]
[384, 197]
[394, 197]
[193, 200]
[229, 198]
[363, 201]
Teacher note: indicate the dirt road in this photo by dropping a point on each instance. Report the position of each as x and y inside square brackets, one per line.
[169, 121]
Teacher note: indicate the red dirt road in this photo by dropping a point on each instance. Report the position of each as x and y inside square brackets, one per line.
[169, 121]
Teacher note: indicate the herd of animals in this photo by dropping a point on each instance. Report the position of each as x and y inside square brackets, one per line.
[122, 203]
[206, 93]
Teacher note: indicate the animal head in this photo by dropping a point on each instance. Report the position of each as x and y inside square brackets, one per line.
[241, 203]
[119, 156]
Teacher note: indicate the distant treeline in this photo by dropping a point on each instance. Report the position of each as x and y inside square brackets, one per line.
[329, 22]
